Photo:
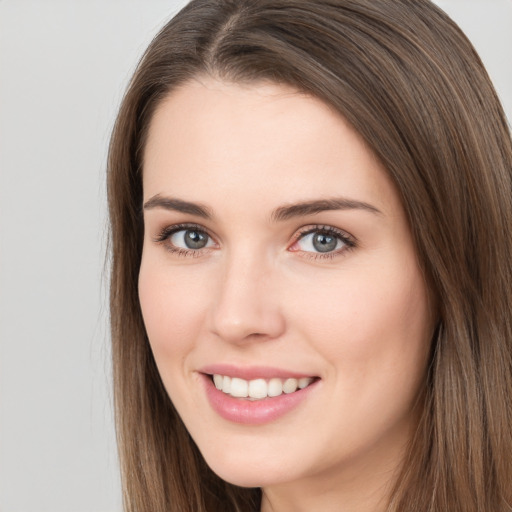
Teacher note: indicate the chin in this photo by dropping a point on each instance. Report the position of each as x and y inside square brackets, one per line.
[238, 469]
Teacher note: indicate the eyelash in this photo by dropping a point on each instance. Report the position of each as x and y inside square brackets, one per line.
[348, 240]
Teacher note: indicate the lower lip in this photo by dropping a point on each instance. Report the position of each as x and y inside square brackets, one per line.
[257, 412]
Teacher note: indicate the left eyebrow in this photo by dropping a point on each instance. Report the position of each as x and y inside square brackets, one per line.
[316, 206]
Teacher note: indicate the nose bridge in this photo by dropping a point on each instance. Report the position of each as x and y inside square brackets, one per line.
[246, 305]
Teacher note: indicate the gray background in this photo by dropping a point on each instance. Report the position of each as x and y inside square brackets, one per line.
[63, 68]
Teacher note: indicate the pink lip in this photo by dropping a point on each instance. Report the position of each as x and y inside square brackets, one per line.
[258, 412]
[251, 372]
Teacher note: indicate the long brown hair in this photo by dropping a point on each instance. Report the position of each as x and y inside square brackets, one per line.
[402, 73]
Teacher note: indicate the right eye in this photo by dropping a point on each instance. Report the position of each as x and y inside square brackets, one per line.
[185, 240]
[190, 239]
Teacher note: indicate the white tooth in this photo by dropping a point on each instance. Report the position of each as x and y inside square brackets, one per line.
[217, 380]
[239, 388]
[290, 385]
[305, 382]
[275, 387]
[226, 384]
[258, 388]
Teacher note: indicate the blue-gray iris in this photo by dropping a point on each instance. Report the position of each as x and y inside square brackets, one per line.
[324, 243]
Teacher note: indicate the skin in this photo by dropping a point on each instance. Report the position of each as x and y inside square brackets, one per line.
[357, 317]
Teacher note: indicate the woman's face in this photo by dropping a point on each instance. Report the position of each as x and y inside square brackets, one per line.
[277, 255]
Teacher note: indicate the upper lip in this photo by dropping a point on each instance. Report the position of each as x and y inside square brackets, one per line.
[251, 372]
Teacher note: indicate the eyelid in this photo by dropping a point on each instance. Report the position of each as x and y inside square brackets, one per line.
[169, 230]
[325, 228]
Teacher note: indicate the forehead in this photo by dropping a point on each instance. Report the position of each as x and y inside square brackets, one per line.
[211, 138]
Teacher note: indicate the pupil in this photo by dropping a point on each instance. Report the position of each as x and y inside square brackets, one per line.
[195, 240]
[324, 243]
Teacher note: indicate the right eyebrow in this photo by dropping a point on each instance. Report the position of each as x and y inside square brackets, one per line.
[177, 205]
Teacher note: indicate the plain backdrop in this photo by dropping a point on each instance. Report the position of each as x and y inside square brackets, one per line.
[64, 65]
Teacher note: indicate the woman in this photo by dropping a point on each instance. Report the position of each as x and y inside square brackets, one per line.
[310, 208]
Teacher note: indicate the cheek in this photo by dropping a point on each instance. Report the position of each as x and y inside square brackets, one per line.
[373, 332]
[173, 306]
[368, 321]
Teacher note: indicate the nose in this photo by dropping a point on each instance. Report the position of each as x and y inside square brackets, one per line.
[246, 306]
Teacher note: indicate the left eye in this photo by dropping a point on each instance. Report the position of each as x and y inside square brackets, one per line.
[320, 241]
[190, 239]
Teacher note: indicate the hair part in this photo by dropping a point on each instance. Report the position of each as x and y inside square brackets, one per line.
[407, 79]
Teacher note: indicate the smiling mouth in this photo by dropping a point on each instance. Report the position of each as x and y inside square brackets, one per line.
[259, 389]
